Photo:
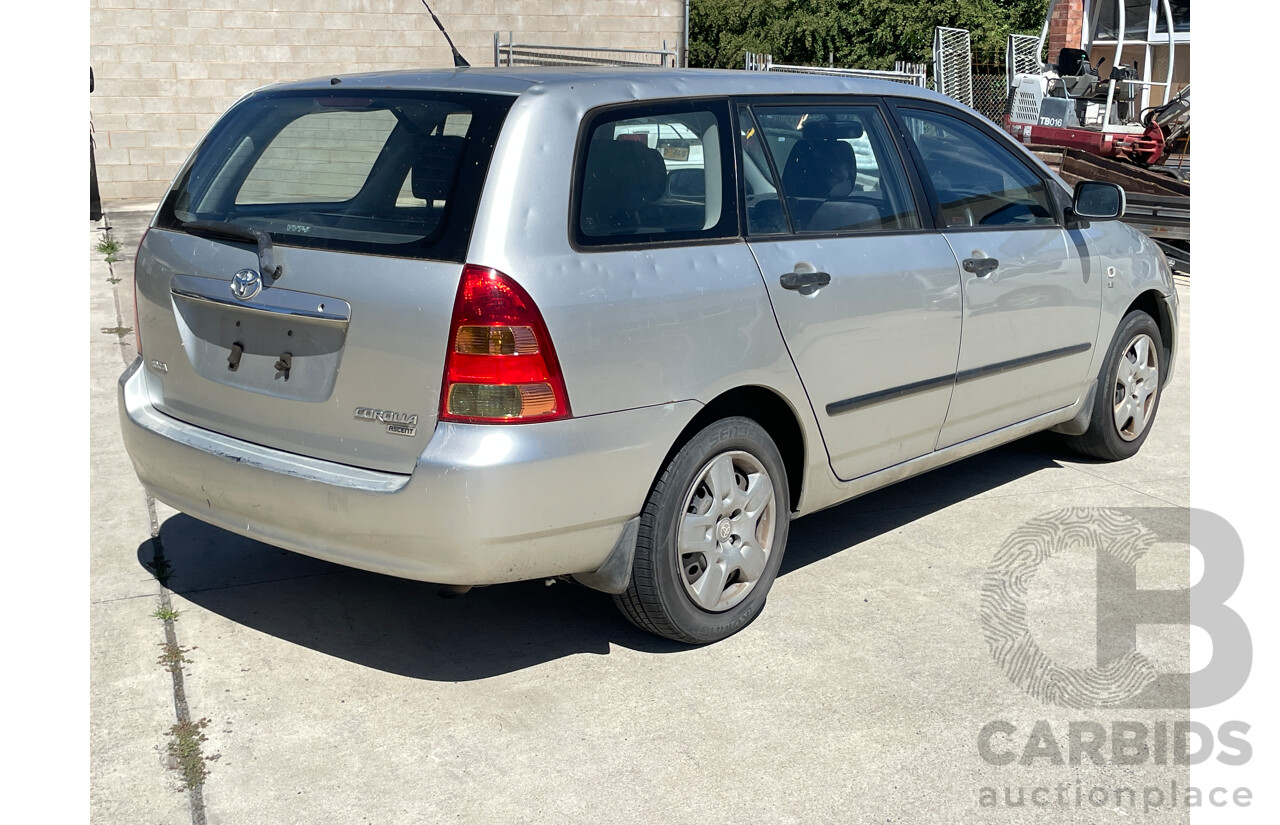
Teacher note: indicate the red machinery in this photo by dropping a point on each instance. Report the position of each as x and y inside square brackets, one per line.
[1068, 103]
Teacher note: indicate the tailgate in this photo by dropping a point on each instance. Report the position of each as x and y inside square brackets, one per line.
[341, 360]
[366, 199]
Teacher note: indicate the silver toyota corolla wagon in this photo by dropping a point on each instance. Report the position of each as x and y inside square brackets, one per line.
[474, 326]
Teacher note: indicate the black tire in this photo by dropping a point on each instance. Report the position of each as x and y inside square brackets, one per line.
[1106, 439]
[661, 596]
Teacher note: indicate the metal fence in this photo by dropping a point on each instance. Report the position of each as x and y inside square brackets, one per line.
[953, 63]
[1022, 55]
[914, 74]
[990, 89]
[512, 53]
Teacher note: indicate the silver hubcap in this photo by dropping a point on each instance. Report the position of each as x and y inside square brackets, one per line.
[1137, 384]
[726, 531]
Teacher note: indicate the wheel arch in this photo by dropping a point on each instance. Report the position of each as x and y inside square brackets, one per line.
[1153, 303]
[768, 409]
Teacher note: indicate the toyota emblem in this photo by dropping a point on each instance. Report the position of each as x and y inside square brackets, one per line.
[245, 284]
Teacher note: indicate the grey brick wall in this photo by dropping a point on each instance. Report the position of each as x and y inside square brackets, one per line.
[166, 69]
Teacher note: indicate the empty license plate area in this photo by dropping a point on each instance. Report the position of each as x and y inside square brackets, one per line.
[282, 343]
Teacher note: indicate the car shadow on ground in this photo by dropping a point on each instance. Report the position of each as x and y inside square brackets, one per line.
[408, 628]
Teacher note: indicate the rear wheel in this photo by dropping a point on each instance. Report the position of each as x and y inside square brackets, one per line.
[711, 536]
[1128, 395]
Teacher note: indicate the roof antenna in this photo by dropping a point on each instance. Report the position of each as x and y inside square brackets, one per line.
[458, 60]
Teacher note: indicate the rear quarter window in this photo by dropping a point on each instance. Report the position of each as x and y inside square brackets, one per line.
[655, 173]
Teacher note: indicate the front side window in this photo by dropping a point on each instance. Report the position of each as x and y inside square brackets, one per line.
[839, 169]
[977, 181]
[656, 173]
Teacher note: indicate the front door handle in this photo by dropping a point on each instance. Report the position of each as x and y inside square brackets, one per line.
[809, 281]
[980, 266]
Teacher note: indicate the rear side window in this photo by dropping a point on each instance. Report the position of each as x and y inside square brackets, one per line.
[765, 215]
[655, 173]
[389, 173]
[840, 171]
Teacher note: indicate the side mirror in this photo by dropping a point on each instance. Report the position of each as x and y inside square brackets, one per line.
[1098, 201]
[686, 183]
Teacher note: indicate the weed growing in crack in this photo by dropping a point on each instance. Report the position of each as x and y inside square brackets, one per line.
[166, 614]
[186, 755]
[161, 569]
[109, 246]
[174, 657]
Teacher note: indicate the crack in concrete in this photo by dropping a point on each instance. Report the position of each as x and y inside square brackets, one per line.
[115, 281]
[1141, 491]
[159, 564]
[180, 707]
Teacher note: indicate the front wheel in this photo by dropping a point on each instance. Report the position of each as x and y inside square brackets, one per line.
[1128, 394]
[711, 536]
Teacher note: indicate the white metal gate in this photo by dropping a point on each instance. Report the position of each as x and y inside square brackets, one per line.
[953, 64]
[914, 74]
[1022, 56]
[512, 53]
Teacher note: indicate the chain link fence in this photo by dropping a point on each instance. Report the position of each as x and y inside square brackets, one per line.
[990, 90]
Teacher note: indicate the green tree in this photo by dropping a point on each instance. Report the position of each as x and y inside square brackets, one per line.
[868, 34]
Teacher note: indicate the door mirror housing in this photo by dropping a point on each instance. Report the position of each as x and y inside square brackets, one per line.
[1098, 201]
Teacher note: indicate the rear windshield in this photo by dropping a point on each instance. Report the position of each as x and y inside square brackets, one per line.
[388, 173]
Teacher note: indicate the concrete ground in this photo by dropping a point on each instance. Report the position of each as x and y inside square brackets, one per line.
[338, 696]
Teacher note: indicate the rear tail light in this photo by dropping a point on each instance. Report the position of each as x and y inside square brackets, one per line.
[137, 324]
[501, 366]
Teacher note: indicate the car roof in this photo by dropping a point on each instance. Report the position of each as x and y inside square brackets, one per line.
[618, 83]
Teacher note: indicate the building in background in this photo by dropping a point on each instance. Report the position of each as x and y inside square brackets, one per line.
[166, 69]
[1093, 25]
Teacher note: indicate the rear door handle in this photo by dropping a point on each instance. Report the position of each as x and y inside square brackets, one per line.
[980, 266]
[803, 280]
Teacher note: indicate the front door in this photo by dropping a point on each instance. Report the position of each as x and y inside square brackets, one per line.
[1031, 302]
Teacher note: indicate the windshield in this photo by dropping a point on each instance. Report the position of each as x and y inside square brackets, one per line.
[387, 173]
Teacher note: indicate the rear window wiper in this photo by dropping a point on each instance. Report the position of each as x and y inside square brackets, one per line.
[238, 232]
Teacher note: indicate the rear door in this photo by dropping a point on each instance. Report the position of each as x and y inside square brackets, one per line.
[368, 202]
[866, 294]
[1031, 302]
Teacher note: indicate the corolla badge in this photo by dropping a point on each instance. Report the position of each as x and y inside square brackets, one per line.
[398, 423]
[245, 284]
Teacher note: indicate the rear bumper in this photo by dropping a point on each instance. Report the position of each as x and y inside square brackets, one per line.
[484, 504]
